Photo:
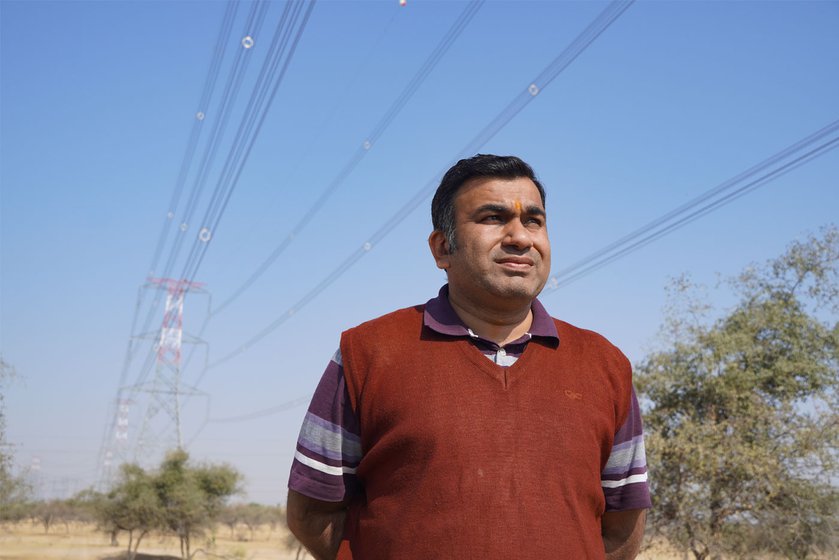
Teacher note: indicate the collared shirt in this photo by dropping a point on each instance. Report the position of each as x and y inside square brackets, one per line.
[329, 447]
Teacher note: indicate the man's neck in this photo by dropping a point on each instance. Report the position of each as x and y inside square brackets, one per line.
[501, 326]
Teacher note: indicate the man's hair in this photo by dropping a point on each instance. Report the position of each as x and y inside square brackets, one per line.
[481, 165]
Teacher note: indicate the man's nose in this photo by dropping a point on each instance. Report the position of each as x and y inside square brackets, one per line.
[517, 235]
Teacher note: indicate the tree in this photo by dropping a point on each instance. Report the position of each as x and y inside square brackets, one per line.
[84, 506]
[13, 489]
[133, 505]
[179, 498]
[251, 515]
[50, 512]
[193, 497]
[742, 415]
[232, 516]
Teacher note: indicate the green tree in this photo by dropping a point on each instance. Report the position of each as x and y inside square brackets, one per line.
[251, 515]
[84, 506]
[133, 506]
[13, 488]
[193, 497]
[742, 415]
[178, 498]
[50, 512]
[232, 516]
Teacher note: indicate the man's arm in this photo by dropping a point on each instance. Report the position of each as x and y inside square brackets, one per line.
[622, 532]
[317, 524]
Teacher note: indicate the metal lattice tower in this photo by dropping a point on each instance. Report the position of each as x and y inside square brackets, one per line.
[165, 389]
[117, 449]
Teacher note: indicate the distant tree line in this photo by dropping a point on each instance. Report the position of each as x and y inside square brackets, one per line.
[176, 499]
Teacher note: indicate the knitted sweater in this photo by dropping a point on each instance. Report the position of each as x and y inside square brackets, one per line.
[467, 459]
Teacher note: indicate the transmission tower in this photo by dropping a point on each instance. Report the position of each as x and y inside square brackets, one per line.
[165, 389]
[116, 451]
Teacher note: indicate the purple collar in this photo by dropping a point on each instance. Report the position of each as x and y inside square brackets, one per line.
[440, 317]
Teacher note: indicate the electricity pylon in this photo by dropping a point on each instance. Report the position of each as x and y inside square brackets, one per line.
[165, 389]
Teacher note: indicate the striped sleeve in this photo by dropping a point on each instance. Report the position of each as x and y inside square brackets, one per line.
[624, 479]
[328, 448]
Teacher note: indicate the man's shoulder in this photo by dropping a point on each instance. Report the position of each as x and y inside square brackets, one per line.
[384, 338]
[405, 319]
[583, 338]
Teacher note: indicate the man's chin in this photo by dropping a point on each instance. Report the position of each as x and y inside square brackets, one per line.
[519, 290]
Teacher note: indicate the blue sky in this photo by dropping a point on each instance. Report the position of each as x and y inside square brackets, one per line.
[98, 101]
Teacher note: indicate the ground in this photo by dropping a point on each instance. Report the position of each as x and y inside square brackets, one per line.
[77, 541]
[25, 541]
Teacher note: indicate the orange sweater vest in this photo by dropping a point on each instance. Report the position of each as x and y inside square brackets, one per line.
[467, 459]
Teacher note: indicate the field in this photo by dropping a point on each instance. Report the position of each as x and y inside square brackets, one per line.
[76, 541]
[25, 541]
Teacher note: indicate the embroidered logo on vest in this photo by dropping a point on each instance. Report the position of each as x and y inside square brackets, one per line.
[574, 396]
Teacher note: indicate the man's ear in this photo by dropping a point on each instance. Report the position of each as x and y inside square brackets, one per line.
[440, 249]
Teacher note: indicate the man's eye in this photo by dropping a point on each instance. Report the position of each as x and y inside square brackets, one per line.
[492, 218]
[534, 221]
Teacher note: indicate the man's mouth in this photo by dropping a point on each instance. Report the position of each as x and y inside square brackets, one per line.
[516, 263]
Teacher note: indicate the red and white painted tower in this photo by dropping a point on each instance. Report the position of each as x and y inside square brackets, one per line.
[166, 389]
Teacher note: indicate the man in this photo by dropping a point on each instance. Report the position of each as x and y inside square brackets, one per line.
[475, 426]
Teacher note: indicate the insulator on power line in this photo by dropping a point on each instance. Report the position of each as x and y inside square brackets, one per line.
[553, 283]
[184, 226]
[170, 215]
[367, 144]
[200, 115]
[533, 89]
[247, 42]
[204, 235]
[367, 246]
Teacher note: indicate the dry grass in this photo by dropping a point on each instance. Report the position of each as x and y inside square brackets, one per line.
[25, 541]
[77, 541]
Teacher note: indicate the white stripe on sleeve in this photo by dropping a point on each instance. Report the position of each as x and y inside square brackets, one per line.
[318, 466]
[624, 481]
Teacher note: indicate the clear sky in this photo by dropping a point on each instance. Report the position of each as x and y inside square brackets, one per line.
[99, 101]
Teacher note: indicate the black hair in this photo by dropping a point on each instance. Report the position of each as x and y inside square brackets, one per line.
[480, 165]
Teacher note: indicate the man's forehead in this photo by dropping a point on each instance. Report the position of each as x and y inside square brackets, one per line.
[516, 192]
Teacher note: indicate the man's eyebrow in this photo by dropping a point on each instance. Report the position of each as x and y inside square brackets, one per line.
[535, 210]
[500, 208]
[504, 209]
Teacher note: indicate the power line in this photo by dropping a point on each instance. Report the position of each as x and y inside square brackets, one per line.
[265, 411]
[284, 43]
[235, 79]
[370, 140]
[286, 37]
[206, 95]
[565, 58]
[390, 114]
[232, 86]
[756, 176]
[638, 239]
[270, 411]
[275, 254]
[200, 114]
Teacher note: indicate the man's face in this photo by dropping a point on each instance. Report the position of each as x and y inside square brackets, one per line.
[503, 251]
